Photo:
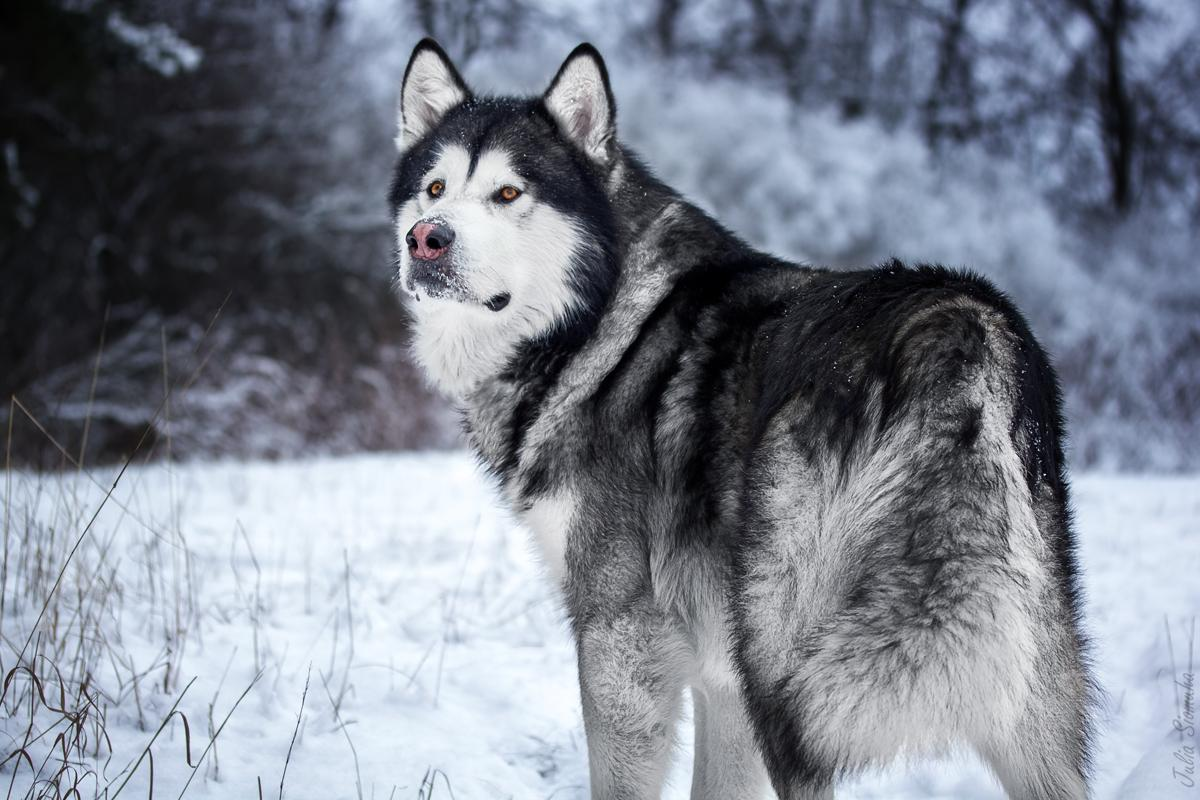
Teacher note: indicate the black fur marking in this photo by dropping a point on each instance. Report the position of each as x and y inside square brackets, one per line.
[970, 427]
[789, 761]
[844, 338]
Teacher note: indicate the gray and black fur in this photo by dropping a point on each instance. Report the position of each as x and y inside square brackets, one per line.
[832, 504]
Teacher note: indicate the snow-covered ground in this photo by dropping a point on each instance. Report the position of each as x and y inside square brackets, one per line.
[432, 648]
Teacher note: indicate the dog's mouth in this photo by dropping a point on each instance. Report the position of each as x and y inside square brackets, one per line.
[499, 301]
[435, 288]
[439, 280]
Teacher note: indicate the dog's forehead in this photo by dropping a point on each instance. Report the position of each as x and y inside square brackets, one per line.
[461, 168]
[491, 124]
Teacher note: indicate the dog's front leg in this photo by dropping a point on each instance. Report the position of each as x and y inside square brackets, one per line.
[631, 677]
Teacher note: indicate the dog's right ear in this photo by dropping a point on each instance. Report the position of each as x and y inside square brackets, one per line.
[432, 86]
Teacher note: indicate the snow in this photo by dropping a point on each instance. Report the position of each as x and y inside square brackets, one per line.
[419, 605]
[157, 46]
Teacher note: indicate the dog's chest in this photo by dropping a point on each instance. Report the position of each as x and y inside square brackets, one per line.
[549, 519]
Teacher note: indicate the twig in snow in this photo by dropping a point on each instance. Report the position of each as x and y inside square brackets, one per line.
[338, 718]
[295, 731]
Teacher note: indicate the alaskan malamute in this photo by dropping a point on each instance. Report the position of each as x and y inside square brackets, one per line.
[832, 504]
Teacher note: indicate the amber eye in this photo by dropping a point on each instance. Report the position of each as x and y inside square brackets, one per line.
[436, 188]
[507, 194]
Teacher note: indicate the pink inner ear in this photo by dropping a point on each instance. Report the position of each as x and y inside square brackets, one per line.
[582, 120]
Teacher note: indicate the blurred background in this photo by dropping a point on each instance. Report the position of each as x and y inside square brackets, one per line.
[192, 194]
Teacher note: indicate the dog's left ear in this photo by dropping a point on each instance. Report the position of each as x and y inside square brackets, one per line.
[431, 87]
[581, 102]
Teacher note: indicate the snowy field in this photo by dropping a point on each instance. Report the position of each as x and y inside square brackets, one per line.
[437, 662]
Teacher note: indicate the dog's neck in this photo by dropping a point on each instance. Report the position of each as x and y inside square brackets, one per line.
[639, 201]
[660, 238]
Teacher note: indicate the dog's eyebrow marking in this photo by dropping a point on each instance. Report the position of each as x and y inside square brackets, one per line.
[475, 151]
[494, 167]
[479, 145]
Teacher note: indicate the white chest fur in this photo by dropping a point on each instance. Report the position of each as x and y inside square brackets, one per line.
[549, 519]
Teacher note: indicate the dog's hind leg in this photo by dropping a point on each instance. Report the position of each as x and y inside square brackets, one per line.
[1027, 774]
[1042, 759]
[1044, 751]
[727, 764]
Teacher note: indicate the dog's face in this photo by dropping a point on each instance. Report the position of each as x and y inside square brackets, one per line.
[502, 223]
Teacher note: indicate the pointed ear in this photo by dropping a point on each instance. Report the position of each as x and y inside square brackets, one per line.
[432, 86]
[581, 102]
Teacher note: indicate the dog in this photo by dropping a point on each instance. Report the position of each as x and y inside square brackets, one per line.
[831, 504]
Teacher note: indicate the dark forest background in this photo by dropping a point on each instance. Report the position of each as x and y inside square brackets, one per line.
[192, 193]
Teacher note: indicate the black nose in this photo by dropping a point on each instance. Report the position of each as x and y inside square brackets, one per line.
[429, 239]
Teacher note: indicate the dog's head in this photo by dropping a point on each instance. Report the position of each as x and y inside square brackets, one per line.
[503, 226]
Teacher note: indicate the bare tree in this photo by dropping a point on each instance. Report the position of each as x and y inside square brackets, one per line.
[1113, 23]
[949, 107]
[855, 28]
[666, 24]
[465, 27]
[773, 36]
